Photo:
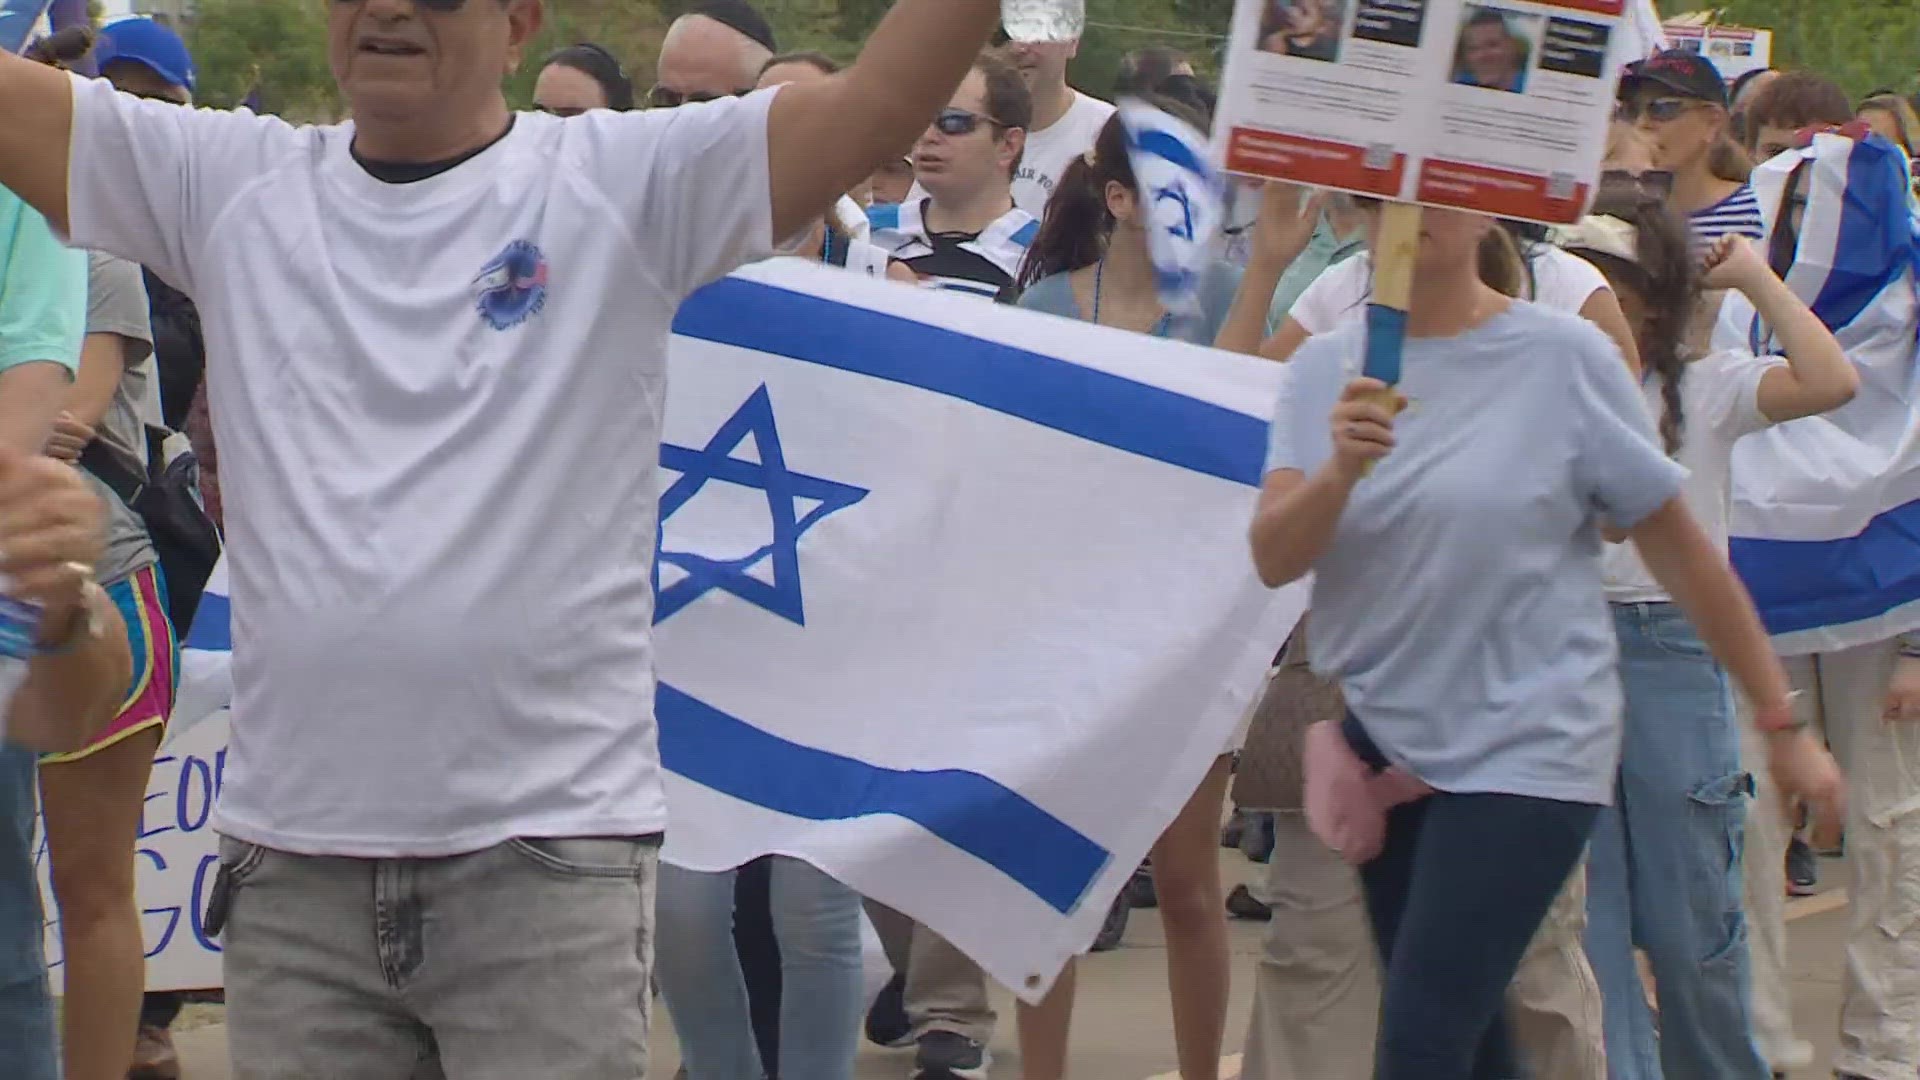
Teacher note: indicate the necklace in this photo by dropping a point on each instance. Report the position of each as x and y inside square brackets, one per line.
[1160, 329]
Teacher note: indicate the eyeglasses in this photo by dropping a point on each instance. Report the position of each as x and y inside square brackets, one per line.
[1659, 110]
[962, 122]
[666, 97]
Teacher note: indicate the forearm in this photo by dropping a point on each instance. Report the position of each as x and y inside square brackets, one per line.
[1246, 324]
[102, 363]
[909, 67]
[36, 139]
[1819, 365]
[68, 696]
[31, 397]
[1292, 530]
[1696, 574]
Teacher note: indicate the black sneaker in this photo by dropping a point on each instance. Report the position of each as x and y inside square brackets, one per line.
[1115, 926]
[949, 1055]
[887, 1022]
[1803, 869]
[1242, 905]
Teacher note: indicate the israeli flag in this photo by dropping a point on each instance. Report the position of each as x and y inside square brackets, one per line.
[206, 657]
[18, 18]
[953, 600]
[1826, 510]
[1185, 197]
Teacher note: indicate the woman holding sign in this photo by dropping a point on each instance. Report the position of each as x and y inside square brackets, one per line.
[1455, 549]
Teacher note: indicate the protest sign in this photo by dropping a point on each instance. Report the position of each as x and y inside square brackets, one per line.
[1499, 107]
[1734, 50]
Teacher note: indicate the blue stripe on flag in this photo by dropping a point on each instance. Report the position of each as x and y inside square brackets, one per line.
[1044, 390]
[978, 815]
[1170, 146]
[1808, 584]
[1875, 245]
[212, 625]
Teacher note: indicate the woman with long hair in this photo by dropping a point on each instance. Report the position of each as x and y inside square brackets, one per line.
[1665, 870]
[1678, 101]
[1456, 556]
[580, 78]
[1090, 262]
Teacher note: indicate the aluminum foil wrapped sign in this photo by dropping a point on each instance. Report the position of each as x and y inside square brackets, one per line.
[1185, 199]
[1043, 20]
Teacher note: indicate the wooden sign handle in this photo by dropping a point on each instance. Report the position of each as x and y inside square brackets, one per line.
[1394, 252]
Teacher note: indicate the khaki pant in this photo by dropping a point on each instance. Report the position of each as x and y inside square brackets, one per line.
[1762, 862]
[945, 990]
[1880, 1004]
[1316, 991]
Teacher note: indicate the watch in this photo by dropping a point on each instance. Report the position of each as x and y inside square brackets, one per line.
[86, 626]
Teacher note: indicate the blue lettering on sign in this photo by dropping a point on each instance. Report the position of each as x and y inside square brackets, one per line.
[184, 802]
[172, 914]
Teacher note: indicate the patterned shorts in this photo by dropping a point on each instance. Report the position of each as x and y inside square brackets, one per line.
[142, 600]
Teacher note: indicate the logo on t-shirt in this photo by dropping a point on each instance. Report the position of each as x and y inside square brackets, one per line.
[513, 287]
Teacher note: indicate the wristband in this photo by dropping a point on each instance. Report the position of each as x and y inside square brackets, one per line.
[1782, 718]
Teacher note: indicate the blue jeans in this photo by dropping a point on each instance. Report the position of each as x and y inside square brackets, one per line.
[817, 922]
[1665, 873]
[27, 1044]
[1453, 909]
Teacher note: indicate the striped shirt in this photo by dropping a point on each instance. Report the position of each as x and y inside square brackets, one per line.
[981, 264]
[1738, 213]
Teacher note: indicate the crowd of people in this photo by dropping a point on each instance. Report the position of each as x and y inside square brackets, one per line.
[1507, 772]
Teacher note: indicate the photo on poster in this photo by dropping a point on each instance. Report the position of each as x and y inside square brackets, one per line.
[1308, 29]
[1495, 48]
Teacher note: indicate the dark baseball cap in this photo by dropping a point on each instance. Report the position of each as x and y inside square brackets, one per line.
[1687, 74]
[742, 17]
[140, 40]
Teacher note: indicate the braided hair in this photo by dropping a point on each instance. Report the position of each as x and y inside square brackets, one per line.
[1663, 279]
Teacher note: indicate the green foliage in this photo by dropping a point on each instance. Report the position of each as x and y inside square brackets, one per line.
[276, 46]
[1864, 45]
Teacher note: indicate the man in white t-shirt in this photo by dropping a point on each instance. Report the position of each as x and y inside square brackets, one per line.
[437, 357]
[1065, 121]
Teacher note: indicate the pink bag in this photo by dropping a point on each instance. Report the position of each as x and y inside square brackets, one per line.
[1346, 801]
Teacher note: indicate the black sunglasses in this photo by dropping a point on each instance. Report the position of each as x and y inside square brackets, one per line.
[962, 122]
[1653, 185]
[1659, 110]
[666, 97]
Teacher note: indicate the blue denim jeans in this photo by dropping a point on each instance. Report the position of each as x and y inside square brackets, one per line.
[817, 922]
[27, 1046]
[1665, 870]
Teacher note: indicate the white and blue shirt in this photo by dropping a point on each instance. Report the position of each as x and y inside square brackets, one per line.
[986, 263]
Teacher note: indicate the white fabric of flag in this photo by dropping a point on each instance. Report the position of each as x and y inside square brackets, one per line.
[953, 600]
[1183, 196]
[1826, 510]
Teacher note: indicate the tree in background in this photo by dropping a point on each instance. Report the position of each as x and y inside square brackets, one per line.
[1864, 45]
[275, 47]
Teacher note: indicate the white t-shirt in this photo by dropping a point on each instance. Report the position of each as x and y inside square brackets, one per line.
[1562, 281]
[1720, 404]
[1051, 149]
[438, 406]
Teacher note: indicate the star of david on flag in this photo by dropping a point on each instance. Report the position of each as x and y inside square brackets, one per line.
[719, 461]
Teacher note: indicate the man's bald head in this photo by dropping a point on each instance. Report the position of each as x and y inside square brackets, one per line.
[702, 57]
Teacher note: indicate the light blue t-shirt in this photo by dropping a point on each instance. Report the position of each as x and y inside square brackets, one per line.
[43, 290]
[1053, 294]
[1460, 602]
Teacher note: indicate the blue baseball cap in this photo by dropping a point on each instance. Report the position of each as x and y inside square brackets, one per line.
[149, 43]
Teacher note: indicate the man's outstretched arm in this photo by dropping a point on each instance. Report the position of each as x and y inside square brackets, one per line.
[37, 135]
[825, 137]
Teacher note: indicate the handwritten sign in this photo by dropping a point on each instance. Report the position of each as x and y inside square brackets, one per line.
[176, 858]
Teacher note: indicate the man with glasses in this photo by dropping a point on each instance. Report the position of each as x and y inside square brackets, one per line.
[715, 51]
[964, 232]
[438, 367]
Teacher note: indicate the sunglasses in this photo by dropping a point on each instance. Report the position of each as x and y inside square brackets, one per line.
[1659, 110]
[666, 97]
[962, 122]
[1654, 185]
